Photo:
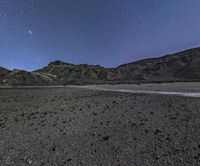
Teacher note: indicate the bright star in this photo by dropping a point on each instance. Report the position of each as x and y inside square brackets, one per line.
[29, 32]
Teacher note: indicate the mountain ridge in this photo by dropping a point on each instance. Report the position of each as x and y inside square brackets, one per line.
[164, 56]
[181, 66]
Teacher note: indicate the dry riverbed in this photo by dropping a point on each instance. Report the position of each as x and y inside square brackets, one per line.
[73, 126]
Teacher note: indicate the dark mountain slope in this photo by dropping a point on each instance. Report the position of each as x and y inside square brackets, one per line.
[183, 66]
[3, 71]
[21, 77]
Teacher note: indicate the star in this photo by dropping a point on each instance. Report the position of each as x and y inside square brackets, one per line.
[30, 32]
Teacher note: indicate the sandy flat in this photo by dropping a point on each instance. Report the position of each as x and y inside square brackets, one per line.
[191, 89]
[74, 126]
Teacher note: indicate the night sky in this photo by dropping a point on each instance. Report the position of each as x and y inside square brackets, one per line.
[104, 32]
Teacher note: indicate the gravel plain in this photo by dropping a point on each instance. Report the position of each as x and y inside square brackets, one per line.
[74, 126]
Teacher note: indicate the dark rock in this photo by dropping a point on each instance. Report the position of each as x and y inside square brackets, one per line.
[105, 138]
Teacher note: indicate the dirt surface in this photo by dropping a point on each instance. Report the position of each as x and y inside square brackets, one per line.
[70, 126]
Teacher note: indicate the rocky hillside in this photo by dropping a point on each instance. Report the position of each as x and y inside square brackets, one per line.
[3, 73]
[182, 66]
[65, 73]
[21, 77]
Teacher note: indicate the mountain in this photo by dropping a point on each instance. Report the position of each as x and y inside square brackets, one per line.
[21, 77]
[3, 71]
[182, 66]
[65, 73]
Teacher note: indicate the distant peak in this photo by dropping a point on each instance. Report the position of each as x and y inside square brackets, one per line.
[57, 63]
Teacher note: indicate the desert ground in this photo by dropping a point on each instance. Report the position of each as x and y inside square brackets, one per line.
[116, 125]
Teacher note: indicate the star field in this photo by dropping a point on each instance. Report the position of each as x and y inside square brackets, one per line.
[104, 32]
